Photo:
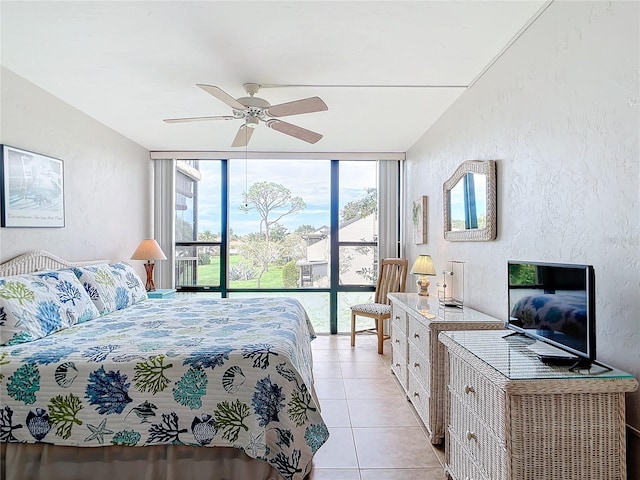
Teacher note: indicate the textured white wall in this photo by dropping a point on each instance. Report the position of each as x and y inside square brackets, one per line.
[560, 112]
[107, 177]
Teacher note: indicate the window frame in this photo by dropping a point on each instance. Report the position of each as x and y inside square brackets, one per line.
[335, 244]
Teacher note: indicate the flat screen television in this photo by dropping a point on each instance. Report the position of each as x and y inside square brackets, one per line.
[555, 304]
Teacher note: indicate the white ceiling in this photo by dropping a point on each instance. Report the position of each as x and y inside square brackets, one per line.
[386, 70]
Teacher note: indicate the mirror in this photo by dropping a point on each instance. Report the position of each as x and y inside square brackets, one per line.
[470, 202]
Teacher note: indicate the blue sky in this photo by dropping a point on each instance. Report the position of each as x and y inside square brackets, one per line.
[308, 179]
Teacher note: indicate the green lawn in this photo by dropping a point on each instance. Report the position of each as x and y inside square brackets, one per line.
[316, 303]
[209, 275]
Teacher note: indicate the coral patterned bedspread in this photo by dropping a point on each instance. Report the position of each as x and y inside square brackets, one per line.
[195, 371]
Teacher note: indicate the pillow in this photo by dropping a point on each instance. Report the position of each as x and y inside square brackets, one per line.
[111, 287]
[36, 305]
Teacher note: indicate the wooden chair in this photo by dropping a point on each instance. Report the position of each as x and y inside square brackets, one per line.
[392, 278]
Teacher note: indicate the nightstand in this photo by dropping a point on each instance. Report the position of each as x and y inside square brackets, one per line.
[162, 293]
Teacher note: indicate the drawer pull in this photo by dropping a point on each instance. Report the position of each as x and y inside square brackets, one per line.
[397, 340]
[416, 364]
[469, 389]
[416, 394]
[397, 317]
[415, 335]
[471, 436]
[398, 365]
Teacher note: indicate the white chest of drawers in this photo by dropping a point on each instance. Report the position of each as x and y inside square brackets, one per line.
[511, 417]
[418, 358]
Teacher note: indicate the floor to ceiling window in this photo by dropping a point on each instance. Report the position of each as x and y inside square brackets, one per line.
[198, 224]
[357, 238]
[301, 228]
[279, 217]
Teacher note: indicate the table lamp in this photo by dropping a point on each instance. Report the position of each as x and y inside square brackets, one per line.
[149, 250]
[423, 266]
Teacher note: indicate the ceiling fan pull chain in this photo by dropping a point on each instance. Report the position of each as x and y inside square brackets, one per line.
[246, 174]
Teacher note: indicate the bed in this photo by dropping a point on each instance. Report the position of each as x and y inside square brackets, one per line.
[185, 388]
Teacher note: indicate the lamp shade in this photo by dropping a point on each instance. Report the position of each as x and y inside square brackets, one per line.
[423, 266]
[148, 250]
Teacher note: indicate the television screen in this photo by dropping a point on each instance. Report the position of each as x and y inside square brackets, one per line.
[554, 303]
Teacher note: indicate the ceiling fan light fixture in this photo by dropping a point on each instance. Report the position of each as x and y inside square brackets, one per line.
[252, 122]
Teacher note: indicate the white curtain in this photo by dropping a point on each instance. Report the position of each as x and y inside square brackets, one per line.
[388, 207]
[164, 200]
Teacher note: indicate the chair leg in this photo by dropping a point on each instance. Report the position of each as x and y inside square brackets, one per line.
[380, 332]
[353, 330]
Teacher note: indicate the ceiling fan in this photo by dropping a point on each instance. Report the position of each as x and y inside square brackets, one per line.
[254, 109]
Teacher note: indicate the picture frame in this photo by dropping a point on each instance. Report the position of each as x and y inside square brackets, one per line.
[32, 189]
[419, 219]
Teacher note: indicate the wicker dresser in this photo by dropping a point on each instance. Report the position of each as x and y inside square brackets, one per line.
[418, 359]
[513, 417]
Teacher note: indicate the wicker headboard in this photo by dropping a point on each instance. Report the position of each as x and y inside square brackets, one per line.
[39, 260]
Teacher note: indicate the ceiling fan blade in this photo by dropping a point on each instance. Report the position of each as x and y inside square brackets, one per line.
[294, 131]
[306, 105]
[243, 136]
[198, 119]
[222, 95]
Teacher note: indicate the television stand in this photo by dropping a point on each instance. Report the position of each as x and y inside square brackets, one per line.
[512, 417]
[576, 364]
[512, 333]
[559, 360]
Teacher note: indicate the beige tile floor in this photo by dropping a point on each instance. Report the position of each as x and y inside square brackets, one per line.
[375, 432]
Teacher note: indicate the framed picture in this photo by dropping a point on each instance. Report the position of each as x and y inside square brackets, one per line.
[32, 189]
[419, 218]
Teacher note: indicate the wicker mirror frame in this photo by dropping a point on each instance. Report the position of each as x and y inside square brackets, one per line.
[488, 168]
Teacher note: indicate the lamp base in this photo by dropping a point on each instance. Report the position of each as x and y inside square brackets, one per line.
[150, 286]
[423, 286]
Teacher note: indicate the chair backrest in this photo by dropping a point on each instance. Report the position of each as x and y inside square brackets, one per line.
[392, 278]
